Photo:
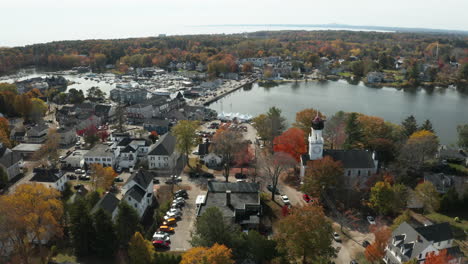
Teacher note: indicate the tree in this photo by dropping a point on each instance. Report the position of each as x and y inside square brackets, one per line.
[258, 247]
[226, 143]
[126, 223]
[96, 94]
[304, 234]
[291, 142]
[322, 174]
[90, 135]
[463, 136]
[420, 146]
[384, 148]
[217, 254]
[105, 242]
[304, 119]
[48, 152]
[441, 258]
[261, 124]
[3, 178]
[8, 87]
[32, 213]
[409, 125]
[23, 106]
[153, 136]
[386, 199]
[5, 132]
[403, 217]
[244, 157]
[334, 131]
[429, 196]
[38, 109]
[270, 125]
[102, 177]
[247, 67]
[463, 74]
[186, 139]
[121, 117]
[373, 127]
[81, 228]
[271, 166]
[353, 131]
[376, 251]
[357, 67]
[427, 125]
[211, 227]
[140, 250]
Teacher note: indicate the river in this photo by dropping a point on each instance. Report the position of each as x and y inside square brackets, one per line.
[446, 108]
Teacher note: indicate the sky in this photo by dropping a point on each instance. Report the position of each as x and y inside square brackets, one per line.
[24, 22]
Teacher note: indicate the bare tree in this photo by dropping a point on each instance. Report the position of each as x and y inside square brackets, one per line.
[121, 117]
[272, 165]
[227, 143]
[48, 153]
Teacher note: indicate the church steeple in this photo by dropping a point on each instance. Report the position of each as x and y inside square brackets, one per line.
[316, 139]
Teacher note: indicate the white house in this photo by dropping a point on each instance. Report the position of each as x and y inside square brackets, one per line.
[212, 160]
[100, 154]
[139, 191]
[67, 135]
[358, 165]
[37, 133]
[51, 178]
[163, 155]
[109, 203]
[10, 161]
[130, 150]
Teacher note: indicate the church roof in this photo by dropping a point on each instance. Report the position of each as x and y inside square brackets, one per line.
[351, 159]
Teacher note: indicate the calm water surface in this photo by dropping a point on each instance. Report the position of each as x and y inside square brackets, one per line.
[446, 108]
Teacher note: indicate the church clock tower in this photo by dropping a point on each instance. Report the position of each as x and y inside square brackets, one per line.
[316, 139]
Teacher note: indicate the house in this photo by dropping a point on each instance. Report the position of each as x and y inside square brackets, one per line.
[18, 134]
[443, 183]
[451, 155]
[109, 203]
[26, 151]
[239, 202]
[52, 178]
[129, 150]
[408, 242]
[358, 165]
[210, 159]
[161, 126]
[37, 133]
[375, 77]
[128, 95]
[164, 154]
[139, 112]
[10, 161]
[75, 159]
[100, 154]
[67, 135]
[139, 190]
[105, 112]
[118, 136]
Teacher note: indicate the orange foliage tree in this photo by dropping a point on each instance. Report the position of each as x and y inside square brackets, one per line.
[32, 213]
[217, 254]
[5, 132]
[304, 119]
[442, 258]
[376, 251]
[322, 173]
[102, 177]
[291, 142]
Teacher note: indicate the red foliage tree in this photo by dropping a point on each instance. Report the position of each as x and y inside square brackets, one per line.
[442, 258]
[291, 142]
[376, 251]
[244, 157]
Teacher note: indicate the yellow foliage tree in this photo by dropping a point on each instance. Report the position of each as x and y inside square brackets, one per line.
[102, 177]
[420, 146]
[140, 250]
[217, 254]
[49, 150]
[32, 213]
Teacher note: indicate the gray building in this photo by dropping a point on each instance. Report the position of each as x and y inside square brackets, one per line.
[128, 95]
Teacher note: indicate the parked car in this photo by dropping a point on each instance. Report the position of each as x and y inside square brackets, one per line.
[170, 221]
[178, 203]
[118, 179]
[161, 244]
[166, 229]
[181, 194]
[285, 199]
[79, 171]
[71, 177]
[353, 262]
[77, 186]
[118, 170]
[240, 180]
[84, 177]
[161, 236]
[172, 215]
[170, 181]
[195, 153]
[365, 243]
[306, 198]
[336, 237]
[208, 175]
[155, 181]
[270, 188]
[240, 176]
[175, 211]
[371, 220]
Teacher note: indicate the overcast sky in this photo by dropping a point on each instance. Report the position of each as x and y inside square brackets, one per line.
[34, 21]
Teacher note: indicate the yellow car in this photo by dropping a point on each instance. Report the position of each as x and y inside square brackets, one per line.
[166, 228]
[170, 221]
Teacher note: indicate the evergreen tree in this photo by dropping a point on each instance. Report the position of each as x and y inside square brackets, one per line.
[277, 122]
[463, 135]
[105, 243]
[409, 125]
[354, 132]
[91, 199]
[81, 228]
[140, 251]
[126, 224]
[427, 125]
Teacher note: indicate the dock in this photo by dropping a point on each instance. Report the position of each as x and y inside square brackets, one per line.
[217, 97]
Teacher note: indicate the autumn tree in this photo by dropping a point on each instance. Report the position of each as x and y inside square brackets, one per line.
[153, 136]
[23, 106]
[90, 135]
[121, 117]
[305, 234]
[247, 67]
[244, 157]
[386, 198]
[38, 109]
[32, 213]
[376, 251]
[354, 133]
[442, 257]
[186, 139]
[11, 87]
[5, 132]
[102, 177]
[428, 194]
[272, 165]
[270, 125]
[403, 217]
[420, 146]
[373, 128]
[48, 152]
[321, 175]
[226, 143]
[304, 119]
[334, 131]
[463, 136]
[216, 254]
[291, 142]
[140, 250]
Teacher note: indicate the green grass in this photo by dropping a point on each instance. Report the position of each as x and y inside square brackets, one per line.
[460, 168]
[459, 228]
[346, 74]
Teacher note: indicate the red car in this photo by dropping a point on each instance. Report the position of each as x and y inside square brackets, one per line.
[161, 244]
[306, 198]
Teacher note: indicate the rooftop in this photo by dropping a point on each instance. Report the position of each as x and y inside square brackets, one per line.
[99, 150]
[165, 146]
[108, 203]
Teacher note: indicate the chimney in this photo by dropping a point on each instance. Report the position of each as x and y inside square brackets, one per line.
[228, 197]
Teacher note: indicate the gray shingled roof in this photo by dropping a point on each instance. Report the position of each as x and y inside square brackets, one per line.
[234, 187]
[351, 159]
[108, 203]
[436, 232]
[136, 192]
[46, 175]
[8, 157]
[165, 145]
[142, 178]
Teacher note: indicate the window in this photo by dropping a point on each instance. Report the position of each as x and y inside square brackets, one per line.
[136, 205]
[359, 173]
[349, 173]
[129, 198]
[108, 159]
[368, 173]
[159, 158]
[166, 158]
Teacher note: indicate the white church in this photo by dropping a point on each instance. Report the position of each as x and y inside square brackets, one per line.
[358, 165]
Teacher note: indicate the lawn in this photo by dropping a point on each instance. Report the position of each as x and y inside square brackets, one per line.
[346, 74]
[459, 168]
[459, 228]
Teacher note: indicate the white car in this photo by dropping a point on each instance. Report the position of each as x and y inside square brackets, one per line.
[285, 200]
[175, 211]
[79, 171]
[161, 236]
[336, 237]
[371, 220]
[172, 215]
